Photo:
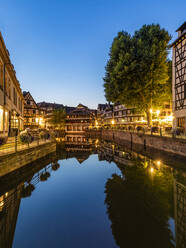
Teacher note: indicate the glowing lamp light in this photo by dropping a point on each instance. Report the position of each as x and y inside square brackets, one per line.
[112, 122]
[40, 120]
[151, 169]
[158, 112]
[170, 118]
[150, 110]
[37, 119]
[158, 163]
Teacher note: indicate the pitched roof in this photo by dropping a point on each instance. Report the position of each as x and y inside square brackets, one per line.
[182, 27]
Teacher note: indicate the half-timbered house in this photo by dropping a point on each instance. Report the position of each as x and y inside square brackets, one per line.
[179, 77]
[33, 115]
[80, 119]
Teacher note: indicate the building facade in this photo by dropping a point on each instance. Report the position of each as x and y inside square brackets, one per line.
[80, 119]
[118, 114]
[179, 78]
[34, 117]
[11, 97]
[127, 116]
[48, 109]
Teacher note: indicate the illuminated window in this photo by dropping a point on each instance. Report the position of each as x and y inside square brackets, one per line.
[181, 122]
[1, 119]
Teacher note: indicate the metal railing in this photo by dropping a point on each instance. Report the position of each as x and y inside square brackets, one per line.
[14, 145]
[161, 132]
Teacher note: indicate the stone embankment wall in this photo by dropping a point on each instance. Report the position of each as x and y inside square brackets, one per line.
[12, 162]
[166, 144]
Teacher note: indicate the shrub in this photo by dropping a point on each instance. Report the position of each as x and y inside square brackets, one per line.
[55, 166]
[44, 135]
[26, 137]
[52, 134]
[140, 128]
[44, 176]
[179, 130]
[27, 190]
[130, 128]
[168, 129]
[154, 129]
[3, 140]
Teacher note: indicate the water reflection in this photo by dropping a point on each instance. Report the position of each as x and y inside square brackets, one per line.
[146, 203]
[9, 208]
[180, 208]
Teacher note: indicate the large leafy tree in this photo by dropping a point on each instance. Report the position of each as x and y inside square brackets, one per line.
[137, 69]
[58, 118]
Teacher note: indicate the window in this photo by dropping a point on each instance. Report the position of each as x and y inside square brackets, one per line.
[1, 76]
[181, 122]
[28, 102]
[167, 106]
[15, 96]
[185, 91]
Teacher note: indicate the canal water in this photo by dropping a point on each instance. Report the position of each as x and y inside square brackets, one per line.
[94, 194]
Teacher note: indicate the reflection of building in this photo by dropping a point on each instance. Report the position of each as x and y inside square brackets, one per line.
[9, 208]
[80, 119]
[78, 143]
[11, 98]
[79, 147]
[179, 77]
[113, 153]
[33, 116]
[180, 213]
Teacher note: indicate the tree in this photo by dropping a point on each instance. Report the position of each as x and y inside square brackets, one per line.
[139, 206]
[58, 118]
[169, 81]
[137, 70]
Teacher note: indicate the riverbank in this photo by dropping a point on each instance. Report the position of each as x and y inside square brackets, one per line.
[14, 161]
[165, 144]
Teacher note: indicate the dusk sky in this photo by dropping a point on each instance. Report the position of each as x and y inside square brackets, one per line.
[59, 48]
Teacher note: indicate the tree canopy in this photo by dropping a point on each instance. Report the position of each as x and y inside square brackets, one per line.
[137, 70]
[58, 118]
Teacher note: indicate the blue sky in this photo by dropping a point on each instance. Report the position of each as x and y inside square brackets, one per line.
[59, 48]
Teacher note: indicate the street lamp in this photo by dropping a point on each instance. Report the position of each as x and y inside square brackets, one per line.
[158, 112]
[113, 122]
